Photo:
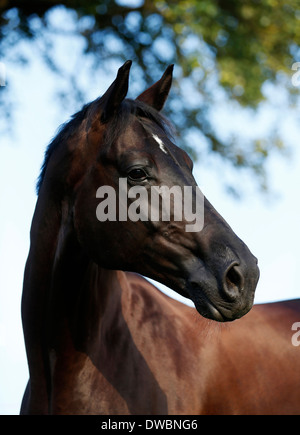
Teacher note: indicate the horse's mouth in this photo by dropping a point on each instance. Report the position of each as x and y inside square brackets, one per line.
[203, 303]
[219, 310]
[208, 310]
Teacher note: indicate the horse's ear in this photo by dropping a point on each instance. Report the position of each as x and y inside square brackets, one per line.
[116, 93]
[157, 94]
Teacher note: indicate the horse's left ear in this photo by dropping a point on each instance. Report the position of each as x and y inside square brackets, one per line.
[157, 94]
[116, 93]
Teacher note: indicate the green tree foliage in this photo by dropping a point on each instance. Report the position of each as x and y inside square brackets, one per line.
[224, 51]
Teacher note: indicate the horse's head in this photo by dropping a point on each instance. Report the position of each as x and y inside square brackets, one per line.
[134, 173]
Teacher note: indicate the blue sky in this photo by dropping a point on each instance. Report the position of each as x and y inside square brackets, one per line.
[268, 225]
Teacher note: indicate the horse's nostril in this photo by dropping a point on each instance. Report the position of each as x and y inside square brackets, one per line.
[233, 282]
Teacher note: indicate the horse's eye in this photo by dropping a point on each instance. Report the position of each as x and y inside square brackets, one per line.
[137, 174]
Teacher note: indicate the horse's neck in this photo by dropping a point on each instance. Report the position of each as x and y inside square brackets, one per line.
[65, 295]
[82, 294]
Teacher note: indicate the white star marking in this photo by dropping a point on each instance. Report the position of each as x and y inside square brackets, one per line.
[160, 143]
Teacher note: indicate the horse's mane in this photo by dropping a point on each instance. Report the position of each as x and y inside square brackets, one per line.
[114, 127]
[64, 131]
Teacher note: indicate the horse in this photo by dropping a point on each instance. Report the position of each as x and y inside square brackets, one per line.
[99, 337]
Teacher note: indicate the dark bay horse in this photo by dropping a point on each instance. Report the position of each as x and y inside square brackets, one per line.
[100, 339]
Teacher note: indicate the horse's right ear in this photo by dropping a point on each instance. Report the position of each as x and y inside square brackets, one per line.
[116, 93]
[157, 94]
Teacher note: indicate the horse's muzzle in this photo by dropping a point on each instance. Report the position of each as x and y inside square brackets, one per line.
[224, 296]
